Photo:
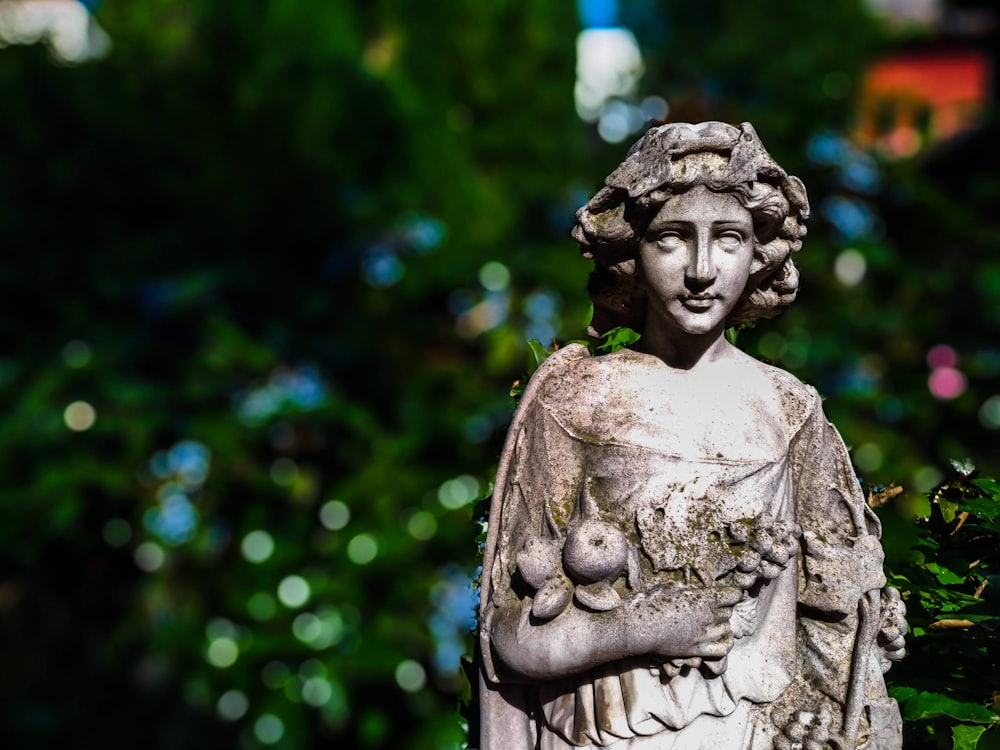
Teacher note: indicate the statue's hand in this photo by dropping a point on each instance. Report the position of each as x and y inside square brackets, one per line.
[892, 633]
[674, 621]
[842, 573]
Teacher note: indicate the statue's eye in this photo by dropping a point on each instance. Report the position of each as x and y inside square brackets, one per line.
[731, 240]
[669, 239]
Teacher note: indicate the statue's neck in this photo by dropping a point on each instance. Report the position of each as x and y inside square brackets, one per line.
[681, 349]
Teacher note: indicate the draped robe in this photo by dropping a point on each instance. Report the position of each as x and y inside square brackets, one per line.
[759, 449]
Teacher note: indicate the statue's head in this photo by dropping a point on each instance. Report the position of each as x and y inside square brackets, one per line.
[667, 161]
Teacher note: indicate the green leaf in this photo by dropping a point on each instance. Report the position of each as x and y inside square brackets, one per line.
[944, 575]
[984, 507]
[902, 692]
[966, 736]
[934, 705]
[948, 509]
[991, 486]
[617, 338]
[537, 353]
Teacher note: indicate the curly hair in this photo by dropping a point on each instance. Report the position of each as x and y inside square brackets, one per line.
[666, 161]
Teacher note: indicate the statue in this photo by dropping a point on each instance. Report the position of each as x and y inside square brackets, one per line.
[679, 554]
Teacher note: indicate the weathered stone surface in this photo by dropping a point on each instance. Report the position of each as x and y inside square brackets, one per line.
[679, 554]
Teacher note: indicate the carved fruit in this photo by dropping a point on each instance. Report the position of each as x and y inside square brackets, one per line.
[744, 580]
[715, 666]
[599, 596]
[595, 551]
[539, 561]
[748, 560]
[770, 570]
[551, 599]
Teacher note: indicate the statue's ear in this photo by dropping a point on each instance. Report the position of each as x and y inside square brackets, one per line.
[756, 265]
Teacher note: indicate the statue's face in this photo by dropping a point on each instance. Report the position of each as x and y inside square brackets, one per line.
[696, 259]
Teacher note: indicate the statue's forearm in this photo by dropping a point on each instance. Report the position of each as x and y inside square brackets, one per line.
[666, 624]
[569, 644]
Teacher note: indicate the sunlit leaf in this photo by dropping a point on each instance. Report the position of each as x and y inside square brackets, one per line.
[931, 705]
[965, 736]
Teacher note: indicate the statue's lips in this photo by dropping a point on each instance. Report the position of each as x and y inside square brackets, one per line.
[698, 302]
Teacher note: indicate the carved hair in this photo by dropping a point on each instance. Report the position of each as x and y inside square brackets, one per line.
[669, 160]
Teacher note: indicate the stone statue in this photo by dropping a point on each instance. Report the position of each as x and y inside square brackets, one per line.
[679, 554]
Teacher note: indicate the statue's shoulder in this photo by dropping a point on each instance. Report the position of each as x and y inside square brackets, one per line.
[574, 376]
[798, 400]
[559, 377]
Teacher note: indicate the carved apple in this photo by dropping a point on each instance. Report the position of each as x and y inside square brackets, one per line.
[595, 551]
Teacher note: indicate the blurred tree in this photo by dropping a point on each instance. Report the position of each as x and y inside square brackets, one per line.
[236, 240]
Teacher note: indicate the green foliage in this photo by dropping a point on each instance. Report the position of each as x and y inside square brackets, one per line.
[949, 684]
[617, 338]
[192, 226]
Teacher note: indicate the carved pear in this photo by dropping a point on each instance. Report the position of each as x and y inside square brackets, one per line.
[539, 561]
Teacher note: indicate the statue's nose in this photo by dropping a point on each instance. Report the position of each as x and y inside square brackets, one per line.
[700, 269]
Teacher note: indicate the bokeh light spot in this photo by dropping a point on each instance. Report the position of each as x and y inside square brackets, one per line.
[220, 627]
[494, 276]
[608, 64]
[175, 521]
[362, 549]
[261, 606]
[307, 627]
[317, 691]
[422, 526]
[149, 556]
[613, 126]
[410, 675]
[382, 268]
[771, 346]
[868, 457]
[284, 471]
[257, 546]
[269, 729]
[654, 108]
[232, 705]
[903, 142]
[79, 416]
[946, 383]
[989, 413]
[926, 478]
[319, 631]
[334, 515]
[117, 532]
[293, 591]
[312, 668]
[76, 354]
[941, 355]
[850, 267]
[457, 492]
[222, 652]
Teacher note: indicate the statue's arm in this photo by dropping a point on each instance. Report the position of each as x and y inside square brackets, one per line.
[661, 623]
[842, 556]
[844, 608]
